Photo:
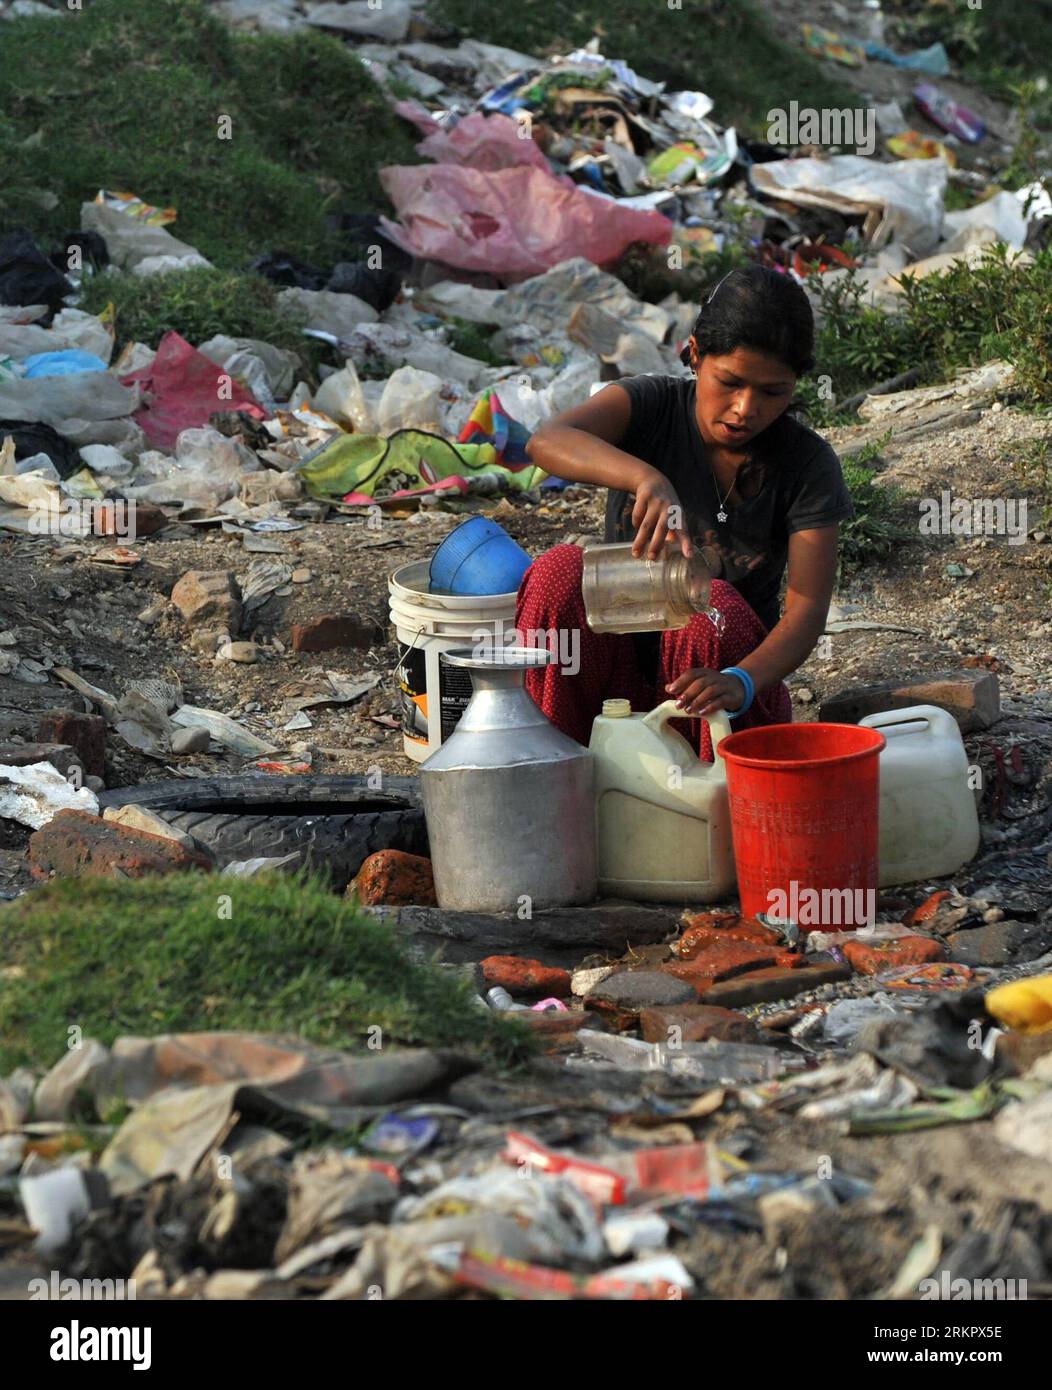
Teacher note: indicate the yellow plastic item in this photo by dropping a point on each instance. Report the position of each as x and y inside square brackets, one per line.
[1025, 1006]
[662, 815]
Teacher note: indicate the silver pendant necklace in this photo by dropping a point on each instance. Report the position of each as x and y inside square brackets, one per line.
[721, 515]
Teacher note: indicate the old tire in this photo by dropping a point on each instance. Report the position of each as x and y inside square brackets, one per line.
[333, 823]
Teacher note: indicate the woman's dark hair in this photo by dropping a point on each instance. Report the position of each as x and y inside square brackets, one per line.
[760, 308]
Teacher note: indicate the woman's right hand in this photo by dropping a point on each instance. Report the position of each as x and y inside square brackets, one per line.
[658, 517]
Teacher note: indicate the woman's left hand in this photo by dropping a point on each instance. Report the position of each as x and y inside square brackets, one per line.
[701, 691]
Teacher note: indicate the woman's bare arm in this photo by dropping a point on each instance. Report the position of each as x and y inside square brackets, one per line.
[812, 574]
[580, 445]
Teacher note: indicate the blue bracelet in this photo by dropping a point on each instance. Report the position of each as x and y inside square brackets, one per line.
[750, 689]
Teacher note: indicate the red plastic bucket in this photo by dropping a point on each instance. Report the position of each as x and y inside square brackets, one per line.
[804, 801]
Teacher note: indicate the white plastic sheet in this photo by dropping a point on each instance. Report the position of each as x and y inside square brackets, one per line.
[906, 194]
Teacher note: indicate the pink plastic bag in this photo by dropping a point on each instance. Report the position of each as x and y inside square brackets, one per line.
[182, 388]
[483, 142]
[513, 222]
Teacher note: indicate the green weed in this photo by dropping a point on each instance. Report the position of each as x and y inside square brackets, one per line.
[154, 955]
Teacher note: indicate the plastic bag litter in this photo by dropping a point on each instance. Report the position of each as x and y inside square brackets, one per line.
[31, 795]
[339, 314]
[547, 301]
[400, 345]
[512, 222]
[26, 274]
[105, 459]
[133, 243]
[183, 389]
[1003, 214]
[412, 399]
[343, 396]
[31, 487]
[483, 142]
[20, 340]
[902, 199]
[84, 398]
[32, 438]
[89, 332]
[67, 362]
[279, 364]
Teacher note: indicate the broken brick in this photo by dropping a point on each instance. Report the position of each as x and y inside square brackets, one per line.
[973, 697]
[84, 733]
[209, 599]
[332, 630]
[75, 843]
[761, 986]
[870, 958]
[697, 1023]
[927, 910]
[61, 756]
[396, 879]
[702, 934]
[722, 959]
[521, 975]
[144, 517]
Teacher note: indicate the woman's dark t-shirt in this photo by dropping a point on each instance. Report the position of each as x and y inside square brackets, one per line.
[803, 487]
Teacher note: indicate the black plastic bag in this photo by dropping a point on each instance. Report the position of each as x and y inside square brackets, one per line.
[26, 274]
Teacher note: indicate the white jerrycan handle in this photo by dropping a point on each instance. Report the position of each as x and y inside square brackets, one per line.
[927, 719]
[719, 728]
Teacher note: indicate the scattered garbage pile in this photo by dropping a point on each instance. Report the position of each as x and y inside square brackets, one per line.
[709, 1156]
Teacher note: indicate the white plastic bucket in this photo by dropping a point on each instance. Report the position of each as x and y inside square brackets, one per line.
[434, 695]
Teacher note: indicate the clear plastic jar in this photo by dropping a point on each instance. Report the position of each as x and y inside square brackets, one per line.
[625, 593]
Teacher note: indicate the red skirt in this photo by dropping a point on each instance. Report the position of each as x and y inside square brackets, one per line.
[598, 666]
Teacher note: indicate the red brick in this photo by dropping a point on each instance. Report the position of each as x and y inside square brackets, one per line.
[395, 878]
[60, 755]
[521, 975]
[885, 955]
[927, 910]
[84, 733]
[760, 986]
[697, 1023]
[701, 934]
[331, 630]
[75, 843]
[144, 517]
[727, 961]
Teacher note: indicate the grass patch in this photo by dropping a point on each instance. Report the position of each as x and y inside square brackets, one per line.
[196, 303]
[154, 955]
[960, 317]
[875, 528]
[723, 47]
[128, 94]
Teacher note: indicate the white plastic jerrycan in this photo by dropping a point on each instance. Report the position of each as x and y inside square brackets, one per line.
[929, 825]
[662, 816]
